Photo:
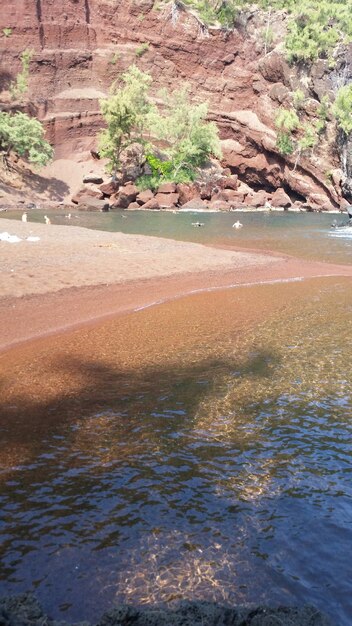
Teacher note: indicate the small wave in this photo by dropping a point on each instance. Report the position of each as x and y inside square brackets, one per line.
[342, 232]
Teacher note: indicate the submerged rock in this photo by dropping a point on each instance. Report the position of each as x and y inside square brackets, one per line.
[25, 610]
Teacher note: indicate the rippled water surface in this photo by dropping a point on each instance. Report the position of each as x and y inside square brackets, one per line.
[201, 449]
[307, 235]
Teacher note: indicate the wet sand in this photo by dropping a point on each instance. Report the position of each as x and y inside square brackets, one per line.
[73, 276]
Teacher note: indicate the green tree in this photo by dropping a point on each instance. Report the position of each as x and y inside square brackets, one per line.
[185, 135]
[24, 136]
[125, 113]
[176, 137]
[342, 108]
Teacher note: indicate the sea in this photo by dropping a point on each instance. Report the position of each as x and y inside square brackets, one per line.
[198, 449]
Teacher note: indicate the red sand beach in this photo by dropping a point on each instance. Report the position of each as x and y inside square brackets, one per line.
[74, 276]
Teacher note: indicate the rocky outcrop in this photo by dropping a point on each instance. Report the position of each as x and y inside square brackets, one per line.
[25, 610]
[221, 193]
[81, 46]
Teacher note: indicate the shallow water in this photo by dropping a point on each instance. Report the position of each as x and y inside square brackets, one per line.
[306, 235]
[201, 448]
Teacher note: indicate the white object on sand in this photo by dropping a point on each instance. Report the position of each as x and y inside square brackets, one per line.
[24, 217]
[5, 236]
[31, 238]
[47, 219]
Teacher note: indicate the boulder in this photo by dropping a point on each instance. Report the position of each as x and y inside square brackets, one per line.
[230, 182]
[167, 200]
[167, 188]
[124, 197]
[230, 195]
[258, 199]
[152, 205]
[319, 202]
[219, 196]
[133, 206]
[144, 196]
[219, 205]
[86, 192]
[244, 189]
[274, 68]
[238, 200]
[109, 188]
[92, 204]
[93, 178]
[279, 93]
[280, 199]
[186, 192]
[209, 188]
[195, 205]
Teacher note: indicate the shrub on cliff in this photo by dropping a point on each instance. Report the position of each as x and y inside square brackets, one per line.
[342, 109]
[175, 136]
[125, 113]
[187, 139]
[24, 135]
[19, 86]
[314, 27]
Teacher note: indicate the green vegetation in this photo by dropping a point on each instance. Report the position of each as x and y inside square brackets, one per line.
[181, 127]
[20, 85]
[342, 108]
[24, 136]
[315, 27]
[7, 32]
[176, 137]
[142, 49]
[309, 138]
[287, 120]
[298, 98]
[294, 136]
[210, 12]
[284, 143]
[125, 113]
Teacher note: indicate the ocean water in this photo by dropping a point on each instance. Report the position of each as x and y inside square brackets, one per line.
[307, 235]
[197, 449]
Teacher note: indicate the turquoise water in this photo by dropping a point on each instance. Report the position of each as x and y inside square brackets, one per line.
[198, 449]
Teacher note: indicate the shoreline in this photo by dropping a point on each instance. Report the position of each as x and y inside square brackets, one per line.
[26, 609]
[82, 307]
[74, 277]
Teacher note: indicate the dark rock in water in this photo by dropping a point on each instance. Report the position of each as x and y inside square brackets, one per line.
[25, 610]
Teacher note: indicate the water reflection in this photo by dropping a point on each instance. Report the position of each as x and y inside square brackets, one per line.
[201, 449]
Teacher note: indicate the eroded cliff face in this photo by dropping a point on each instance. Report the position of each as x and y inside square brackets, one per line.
[81, 46]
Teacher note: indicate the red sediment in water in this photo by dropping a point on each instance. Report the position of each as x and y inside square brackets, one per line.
[34, 316]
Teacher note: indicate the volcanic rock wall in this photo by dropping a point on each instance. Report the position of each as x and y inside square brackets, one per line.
[81, 46]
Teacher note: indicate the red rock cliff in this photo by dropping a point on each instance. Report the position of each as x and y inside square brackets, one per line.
[81, 46]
